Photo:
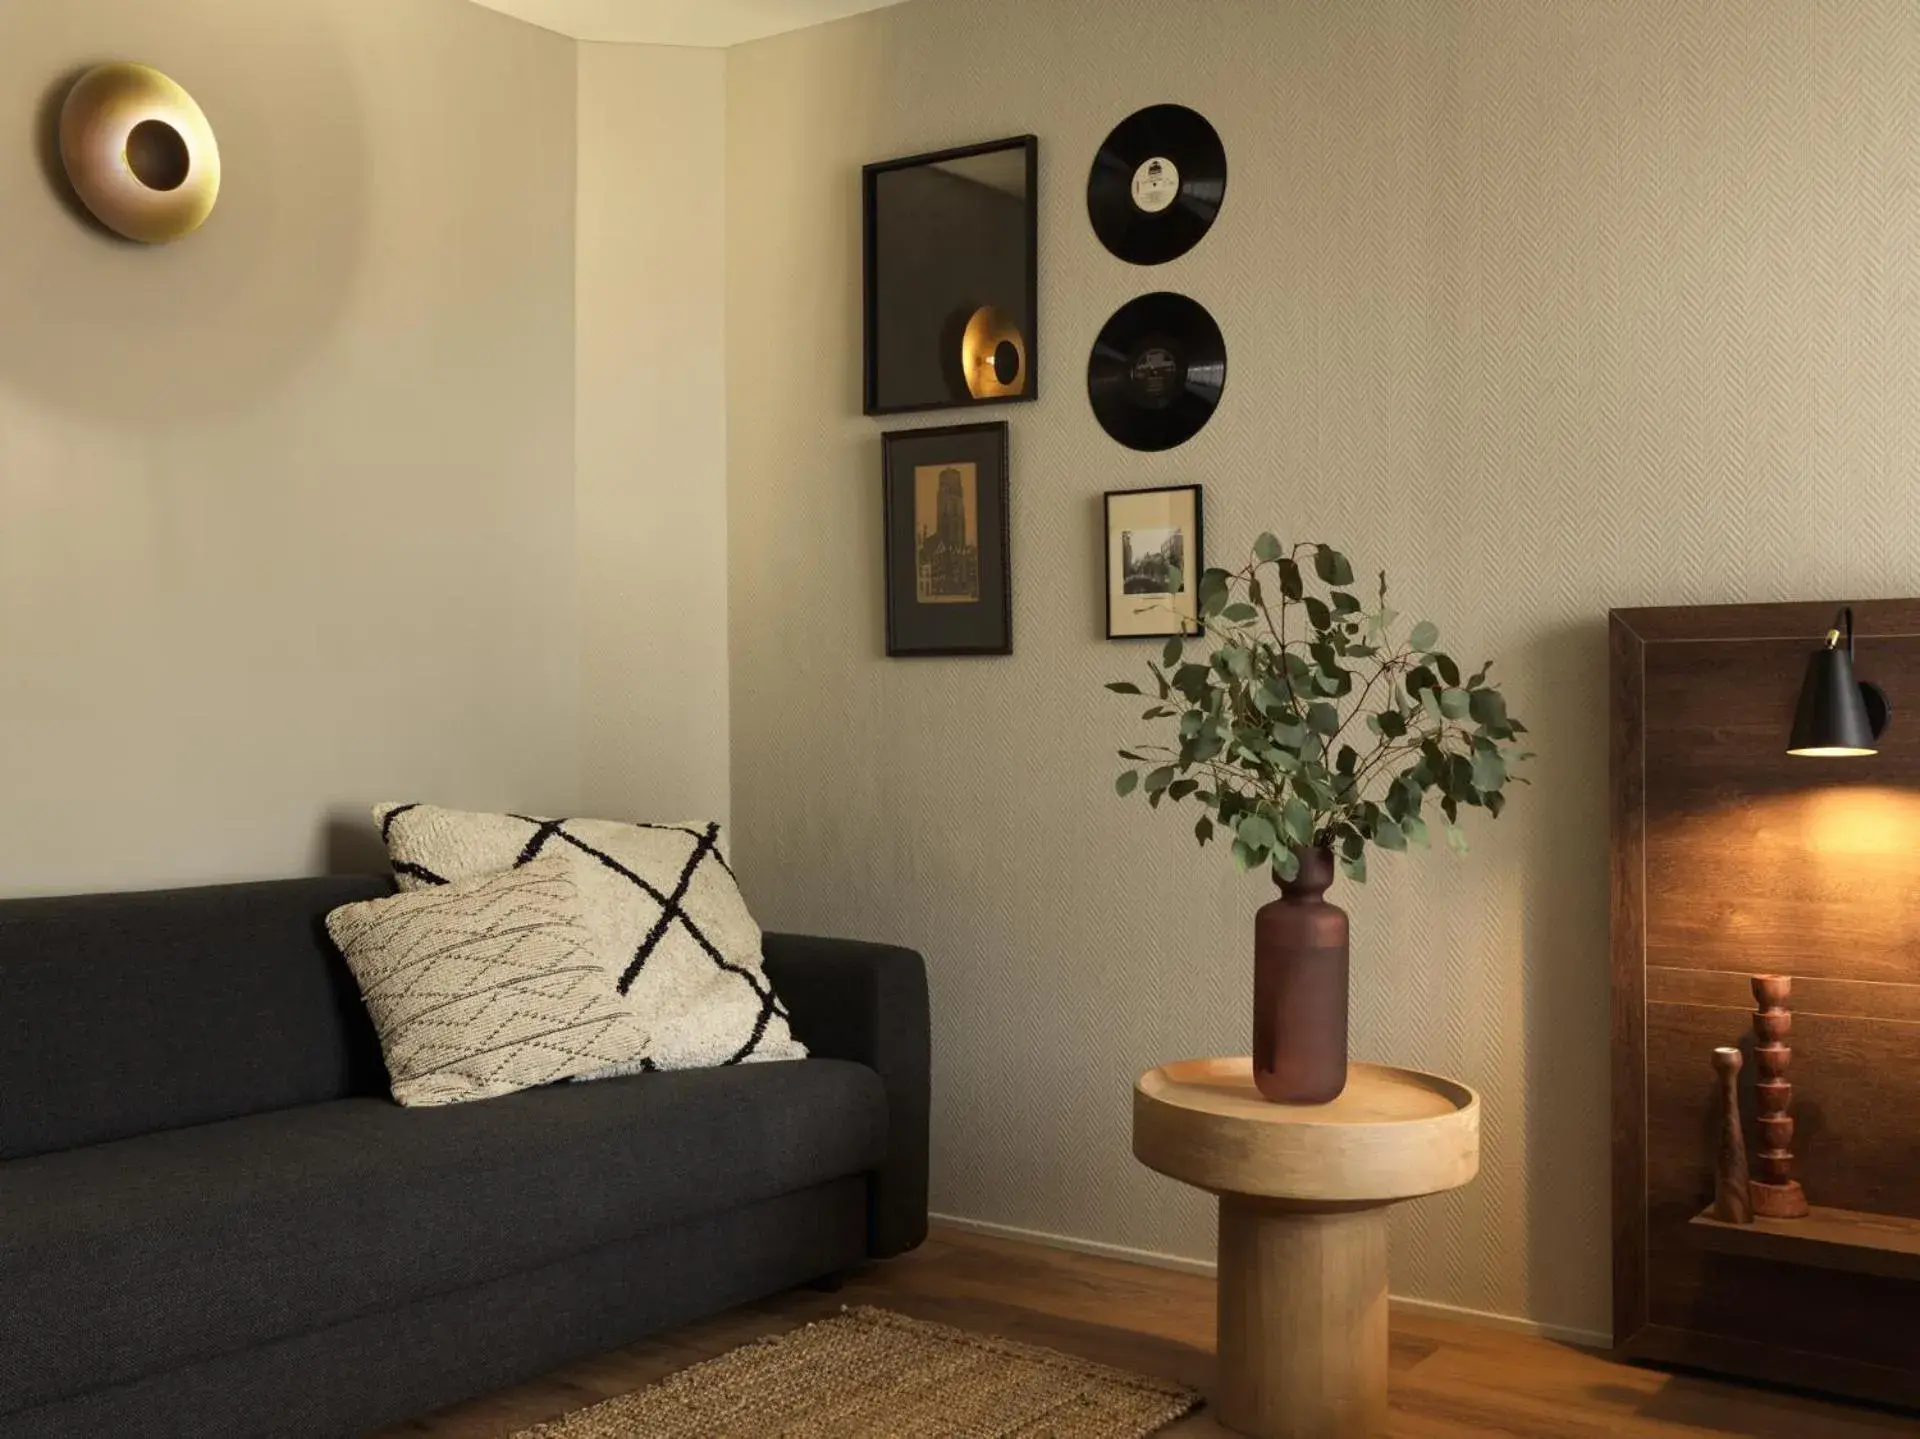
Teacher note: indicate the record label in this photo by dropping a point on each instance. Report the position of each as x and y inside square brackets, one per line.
[1156, 184]
[1155, 375]
[1157, 371]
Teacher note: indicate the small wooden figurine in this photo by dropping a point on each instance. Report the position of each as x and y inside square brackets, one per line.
[1775, 1192]
[1732, 1203]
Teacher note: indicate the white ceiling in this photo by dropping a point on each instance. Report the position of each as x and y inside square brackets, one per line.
[679, 22]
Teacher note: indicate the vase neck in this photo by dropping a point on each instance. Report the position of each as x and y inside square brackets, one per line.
[1316, 873]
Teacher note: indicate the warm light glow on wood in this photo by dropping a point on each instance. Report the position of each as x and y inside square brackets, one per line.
[1854, 822]
[1835, 867]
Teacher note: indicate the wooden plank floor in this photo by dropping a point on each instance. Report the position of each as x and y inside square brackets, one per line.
[1450, 1380]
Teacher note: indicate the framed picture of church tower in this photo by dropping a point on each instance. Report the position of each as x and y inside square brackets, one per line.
[949, 570]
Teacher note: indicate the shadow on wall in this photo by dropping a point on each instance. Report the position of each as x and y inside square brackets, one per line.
[1567, 1003]
[53, 170]
[112, 331]
[1097, 568]
[351, 844]
[873, 539]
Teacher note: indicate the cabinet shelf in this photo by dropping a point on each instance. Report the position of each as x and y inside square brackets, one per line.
[1884, 1244]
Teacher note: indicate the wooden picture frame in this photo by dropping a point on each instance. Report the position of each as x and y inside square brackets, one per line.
[1148, 531]
[948, 567]
[950, 245]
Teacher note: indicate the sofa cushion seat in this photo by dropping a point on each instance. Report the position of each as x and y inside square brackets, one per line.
[133, 1257]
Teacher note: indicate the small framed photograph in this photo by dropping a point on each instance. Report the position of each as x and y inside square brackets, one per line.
[949, 570]
[1156, 548]
[951, 247]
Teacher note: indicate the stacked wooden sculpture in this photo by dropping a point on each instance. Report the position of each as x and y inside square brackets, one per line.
[1772, 1192]
[1776, 1193]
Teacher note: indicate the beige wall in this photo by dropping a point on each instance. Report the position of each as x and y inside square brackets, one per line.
[286, 518]
[1543, 307]
[651, 408]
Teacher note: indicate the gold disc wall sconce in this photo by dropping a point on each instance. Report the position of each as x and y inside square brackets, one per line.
[140, 153]
[993, 356]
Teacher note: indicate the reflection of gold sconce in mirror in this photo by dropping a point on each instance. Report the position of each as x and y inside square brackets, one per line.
[993, 356]
[140, 153]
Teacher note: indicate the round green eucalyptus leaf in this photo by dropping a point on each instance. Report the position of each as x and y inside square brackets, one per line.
[1332, 566]
[1489, 772]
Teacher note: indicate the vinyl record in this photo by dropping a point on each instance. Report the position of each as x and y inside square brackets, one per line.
[1157, 184]
[1157, 371]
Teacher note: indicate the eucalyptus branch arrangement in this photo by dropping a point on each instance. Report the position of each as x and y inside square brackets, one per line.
[1311, 721]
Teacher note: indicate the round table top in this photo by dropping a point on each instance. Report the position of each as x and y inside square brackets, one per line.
[1392, 1133]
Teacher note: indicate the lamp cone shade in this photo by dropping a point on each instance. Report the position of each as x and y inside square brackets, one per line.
[140, 153]
[1832, 721]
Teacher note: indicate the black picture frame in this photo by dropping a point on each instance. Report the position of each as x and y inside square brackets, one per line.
[876, 247]
[1193, 559]
[940, 601]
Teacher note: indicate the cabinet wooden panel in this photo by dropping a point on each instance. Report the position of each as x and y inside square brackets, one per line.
[1760, 860]
[1732, 858]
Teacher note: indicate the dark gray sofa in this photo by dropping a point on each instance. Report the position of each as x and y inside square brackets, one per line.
[214, 1220]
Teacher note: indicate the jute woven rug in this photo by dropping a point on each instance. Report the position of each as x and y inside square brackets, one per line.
[871, 1374]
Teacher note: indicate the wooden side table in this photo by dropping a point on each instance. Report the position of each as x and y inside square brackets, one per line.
[1304, 1191]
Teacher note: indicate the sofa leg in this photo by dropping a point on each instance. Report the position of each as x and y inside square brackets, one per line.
[828, 1283]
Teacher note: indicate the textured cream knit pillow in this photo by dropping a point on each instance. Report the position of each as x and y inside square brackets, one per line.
[488, 986]
[667, 918]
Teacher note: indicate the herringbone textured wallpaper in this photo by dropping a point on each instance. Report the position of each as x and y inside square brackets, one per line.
[1543, 305]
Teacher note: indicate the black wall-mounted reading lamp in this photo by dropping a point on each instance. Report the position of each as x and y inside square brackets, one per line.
[1839, 716]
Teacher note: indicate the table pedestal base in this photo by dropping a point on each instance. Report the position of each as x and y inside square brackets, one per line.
[1303, 1320]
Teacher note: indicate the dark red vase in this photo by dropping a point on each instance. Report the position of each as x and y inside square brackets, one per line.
[1300, 989]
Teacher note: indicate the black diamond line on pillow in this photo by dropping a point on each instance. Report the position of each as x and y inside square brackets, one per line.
[418, 871]
[718, 857]
[547, 828]
[386, 823]
[671, 911]
[542, 831]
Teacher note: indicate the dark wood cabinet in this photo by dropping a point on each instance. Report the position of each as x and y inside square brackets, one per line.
[1732, 858]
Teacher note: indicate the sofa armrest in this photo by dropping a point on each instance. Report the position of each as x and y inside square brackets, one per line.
[868, 1002]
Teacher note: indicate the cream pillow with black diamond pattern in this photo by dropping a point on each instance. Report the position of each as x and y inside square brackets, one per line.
[488, 986]
[669, 923]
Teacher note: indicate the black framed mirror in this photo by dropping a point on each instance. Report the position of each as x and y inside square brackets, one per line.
[951, 244]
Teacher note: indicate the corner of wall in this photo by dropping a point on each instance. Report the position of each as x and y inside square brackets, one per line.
[650, 421]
